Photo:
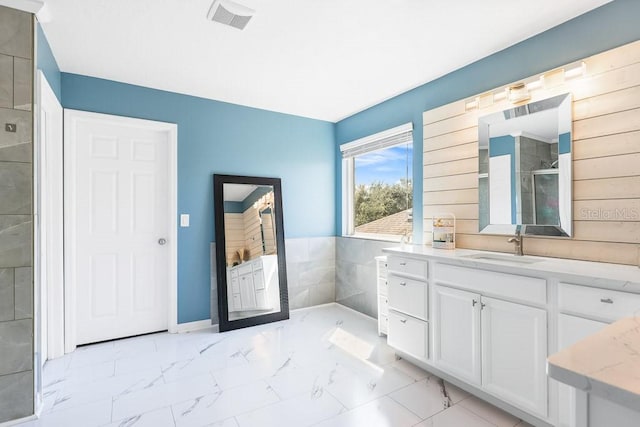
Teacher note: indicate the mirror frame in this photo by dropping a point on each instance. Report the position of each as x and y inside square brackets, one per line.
[565, 228]
[221, 260]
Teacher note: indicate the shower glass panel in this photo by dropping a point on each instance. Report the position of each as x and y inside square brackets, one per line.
[545, 197]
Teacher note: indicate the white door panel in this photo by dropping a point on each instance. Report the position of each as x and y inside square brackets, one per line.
[122, 210]
[457, 332]
[514, 352]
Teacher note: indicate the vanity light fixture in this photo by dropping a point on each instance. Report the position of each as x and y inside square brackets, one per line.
[521, 91]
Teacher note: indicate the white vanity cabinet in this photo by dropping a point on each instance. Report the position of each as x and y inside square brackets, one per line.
[583, 312]
[248, 284]
[408, 328]
[383, 295]
[498, 345]
[490, 323]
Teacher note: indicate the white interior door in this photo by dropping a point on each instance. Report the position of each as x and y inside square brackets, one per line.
[117, 177]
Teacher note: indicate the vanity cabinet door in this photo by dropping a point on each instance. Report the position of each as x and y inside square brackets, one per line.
[247, 292]
[514, 353]
[456, 331]
[572, 406]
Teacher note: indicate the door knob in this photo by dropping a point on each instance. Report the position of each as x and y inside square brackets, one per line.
[162, 241]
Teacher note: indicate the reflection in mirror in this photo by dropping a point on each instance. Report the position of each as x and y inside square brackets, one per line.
[251, 264]
[524, 174]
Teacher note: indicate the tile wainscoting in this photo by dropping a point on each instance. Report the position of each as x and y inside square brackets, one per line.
[356, 273]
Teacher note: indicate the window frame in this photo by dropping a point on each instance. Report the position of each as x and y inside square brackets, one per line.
[393, 137]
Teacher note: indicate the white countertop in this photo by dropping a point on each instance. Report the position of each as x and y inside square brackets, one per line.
[597, 274]
[606, 364]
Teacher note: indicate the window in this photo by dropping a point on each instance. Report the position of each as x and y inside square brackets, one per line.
[377, 187]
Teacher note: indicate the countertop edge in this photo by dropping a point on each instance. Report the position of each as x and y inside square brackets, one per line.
[589, 273]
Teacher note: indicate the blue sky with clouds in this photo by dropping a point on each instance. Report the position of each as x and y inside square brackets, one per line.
[388, 165]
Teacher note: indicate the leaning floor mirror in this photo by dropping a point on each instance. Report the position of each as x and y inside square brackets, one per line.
[250, 255]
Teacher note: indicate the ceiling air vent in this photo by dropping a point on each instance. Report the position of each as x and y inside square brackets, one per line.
[230, 13]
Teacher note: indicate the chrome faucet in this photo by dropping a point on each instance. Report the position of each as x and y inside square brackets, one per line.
[517, 240]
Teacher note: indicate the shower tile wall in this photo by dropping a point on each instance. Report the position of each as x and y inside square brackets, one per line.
[16, 278]
[356, 285]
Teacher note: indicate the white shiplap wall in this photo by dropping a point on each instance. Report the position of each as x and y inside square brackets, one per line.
[606, 164]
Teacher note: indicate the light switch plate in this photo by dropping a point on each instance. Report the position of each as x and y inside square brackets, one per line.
[184, 220]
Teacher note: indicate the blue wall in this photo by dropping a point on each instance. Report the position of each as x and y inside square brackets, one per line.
[46, 62]
[564, 143]
[609, 26]
[216, 137]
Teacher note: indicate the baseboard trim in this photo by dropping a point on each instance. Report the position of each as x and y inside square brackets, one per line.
[366, 316]
[198, 325]
[312, 306]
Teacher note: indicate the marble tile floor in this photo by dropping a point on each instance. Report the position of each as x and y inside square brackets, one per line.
[326, 366]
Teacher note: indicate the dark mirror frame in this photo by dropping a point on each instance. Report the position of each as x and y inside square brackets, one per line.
[221, 260]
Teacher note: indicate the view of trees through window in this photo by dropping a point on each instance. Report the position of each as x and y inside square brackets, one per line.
[383, 194]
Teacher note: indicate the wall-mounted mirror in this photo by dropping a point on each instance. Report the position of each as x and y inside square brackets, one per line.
[524, 179]
[250, 255]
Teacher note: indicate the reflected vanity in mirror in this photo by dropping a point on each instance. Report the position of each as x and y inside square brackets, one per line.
[250, 255]
[524, 178]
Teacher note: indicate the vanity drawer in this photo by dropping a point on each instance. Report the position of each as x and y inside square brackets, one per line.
[597, 302]
[382, 267]
[383, 324]
[407, 334]
[383, 305]
[244, 269]
[383, 286]
[408, 266]
[408, 296]
[502, 285]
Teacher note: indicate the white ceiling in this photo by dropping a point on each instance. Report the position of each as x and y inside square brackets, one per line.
[237, 192]
[320, 59]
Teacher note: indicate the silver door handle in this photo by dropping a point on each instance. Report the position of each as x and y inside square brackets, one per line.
[606, 300]
[162, 241]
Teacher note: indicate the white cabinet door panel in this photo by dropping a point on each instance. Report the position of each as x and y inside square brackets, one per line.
[514, 352]
[456, 343]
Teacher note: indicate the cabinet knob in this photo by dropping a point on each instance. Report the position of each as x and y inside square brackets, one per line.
[482, 305]
[474, 302]
[403, 320]
[606, 300]
[403, 283]
[403, 263]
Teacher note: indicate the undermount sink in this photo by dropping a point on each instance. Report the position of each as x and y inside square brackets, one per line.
[513, 259]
